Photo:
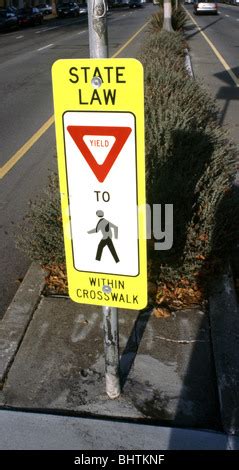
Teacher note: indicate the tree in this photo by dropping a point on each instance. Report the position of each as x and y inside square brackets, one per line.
[54, 11]
[167, 22]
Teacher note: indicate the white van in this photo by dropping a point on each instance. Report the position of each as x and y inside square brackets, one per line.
[205, 6]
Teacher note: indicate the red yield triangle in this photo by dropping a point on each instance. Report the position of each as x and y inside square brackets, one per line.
[120, 134]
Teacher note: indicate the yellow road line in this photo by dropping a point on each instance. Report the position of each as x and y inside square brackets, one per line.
[216, 52]
[24, 149]
[130, 40]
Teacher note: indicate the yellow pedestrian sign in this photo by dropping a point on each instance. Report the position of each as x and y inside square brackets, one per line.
[99, 118]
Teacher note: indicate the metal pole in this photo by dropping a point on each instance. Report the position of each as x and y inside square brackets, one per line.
[98, 41]
[111, 343]
[98, 34]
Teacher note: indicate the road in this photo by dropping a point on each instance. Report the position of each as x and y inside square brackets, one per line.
[26, 57]
[222, 35]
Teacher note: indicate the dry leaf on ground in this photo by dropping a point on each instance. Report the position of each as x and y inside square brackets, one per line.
[161, 312]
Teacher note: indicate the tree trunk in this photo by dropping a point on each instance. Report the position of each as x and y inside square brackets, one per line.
[54, 12]
[167, 22]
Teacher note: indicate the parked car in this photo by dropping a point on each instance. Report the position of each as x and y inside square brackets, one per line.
[117, 3]
[68, 9]
[135, 4]
[83, 8]
[205, 6]
[9, 9]
[8, 20]
[188, 2]
[44, 8]
[29, 16]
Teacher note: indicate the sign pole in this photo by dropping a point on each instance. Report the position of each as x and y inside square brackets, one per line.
[98, 43]
[111, 343]
[97, 22]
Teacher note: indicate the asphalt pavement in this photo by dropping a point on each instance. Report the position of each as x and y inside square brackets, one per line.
[210, 65]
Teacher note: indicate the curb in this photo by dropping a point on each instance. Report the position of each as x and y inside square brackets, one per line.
[18, 316]
[64, 432]
[224, 319]
[188, 63]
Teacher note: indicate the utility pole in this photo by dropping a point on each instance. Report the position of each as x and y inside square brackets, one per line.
[98, 42]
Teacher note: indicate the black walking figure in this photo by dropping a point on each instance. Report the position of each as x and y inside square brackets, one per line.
[105, 227]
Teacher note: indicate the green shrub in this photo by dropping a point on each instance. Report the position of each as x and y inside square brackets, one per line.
[190, 162]
[40, 233]
[168, 55]
[179, 19]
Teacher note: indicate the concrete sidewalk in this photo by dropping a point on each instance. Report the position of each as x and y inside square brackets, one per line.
[167, 366]
[52, 360]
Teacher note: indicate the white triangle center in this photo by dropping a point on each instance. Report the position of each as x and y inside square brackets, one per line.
[99, 145]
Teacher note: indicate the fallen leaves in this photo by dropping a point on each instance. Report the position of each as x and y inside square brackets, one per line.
[161, 312]
[200, 257]
[165, 296]
[203, 237]
[179, 295]
[56, 279]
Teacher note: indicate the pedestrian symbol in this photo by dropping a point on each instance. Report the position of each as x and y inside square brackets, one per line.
[105, 227]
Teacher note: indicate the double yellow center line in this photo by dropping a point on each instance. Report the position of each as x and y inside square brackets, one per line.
[24, 149]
